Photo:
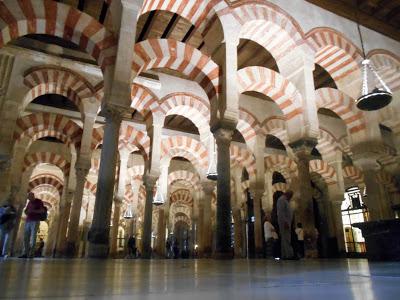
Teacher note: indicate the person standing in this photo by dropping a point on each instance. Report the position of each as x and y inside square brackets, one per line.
[8, 215]
[300, 240]
[35, 212]
[285, 217]
[132, 247]
[270, 237]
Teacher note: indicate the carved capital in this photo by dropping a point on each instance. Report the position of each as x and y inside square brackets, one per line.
[302, 148]
[223, 136]
[149, 182]
[208, 187]
[5, 162]
[113, 113]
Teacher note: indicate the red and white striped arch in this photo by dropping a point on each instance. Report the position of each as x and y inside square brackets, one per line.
[97, 137]
[326, 171]
[387, 65]
[145, 102]
[136, 172]
[247, 11]
[335, 53]
[186, 176]
[130, 137]
[34, 159]
[354, 174]
[182, 196]
[327, 143]
[248, 126]
[91, 187]
[280, 163]
[38, 125]
[19, 18]
[186, 147]
[273, 85]
[244, 158]
[128, 198]
[345, 145]
[199, 13]
[270, 36]
[276, 126]
[343, 106]
[47, 179]
[181, 57]
[191, 107]
[56, 80]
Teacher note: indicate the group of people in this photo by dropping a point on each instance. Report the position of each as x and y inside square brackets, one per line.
[283, 245]
[35, 212]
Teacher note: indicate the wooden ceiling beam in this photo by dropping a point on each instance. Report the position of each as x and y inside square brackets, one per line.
[170, 27]
[147, 26]
[350, 12]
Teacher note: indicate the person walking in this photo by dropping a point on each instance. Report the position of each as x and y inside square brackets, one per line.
[285, 217]
[35, 212]
[300, 240]
[8, 215]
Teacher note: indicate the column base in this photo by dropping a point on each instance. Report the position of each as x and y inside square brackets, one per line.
[98, 250]
[224, 255]
[70, 251]
[99, 246]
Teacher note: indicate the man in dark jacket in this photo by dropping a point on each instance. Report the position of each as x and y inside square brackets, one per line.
[34, 211]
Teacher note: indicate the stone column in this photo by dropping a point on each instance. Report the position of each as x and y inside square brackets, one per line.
[237, 216]
[100, 230]
[65, 208]
[163, 211]
[161, 232]
[115, 227]
[304, 212]
[223, 220]
[82, 169]
[257, 187]
[208, 189]
[200, 230]
[149, 183]
[119, 198]
[52, 234]
[336, 197]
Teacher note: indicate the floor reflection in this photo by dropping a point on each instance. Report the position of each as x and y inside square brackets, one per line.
[203, 279]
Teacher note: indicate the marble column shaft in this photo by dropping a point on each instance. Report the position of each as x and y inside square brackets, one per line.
[82, 169]
[223, 229]
[100, 230]
[149, 183]
[304, 212]
[208, 189]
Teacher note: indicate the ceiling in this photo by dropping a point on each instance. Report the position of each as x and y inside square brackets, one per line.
[380, 15]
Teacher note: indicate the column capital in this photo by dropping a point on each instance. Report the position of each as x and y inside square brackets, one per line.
[149, 181]
[208, 187]
[82, 169]
[113, 113]
[223, 135]
[5, 162]
[302, 148]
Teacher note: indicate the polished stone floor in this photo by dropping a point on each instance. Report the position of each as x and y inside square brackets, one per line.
[201, 279]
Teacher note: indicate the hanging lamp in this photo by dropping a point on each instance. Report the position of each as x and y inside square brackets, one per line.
[375, 98]
[212, 173]
[158, 197]
[128, 212]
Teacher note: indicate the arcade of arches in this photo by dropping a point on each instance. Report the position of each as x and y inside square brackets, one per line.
[102, 106]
